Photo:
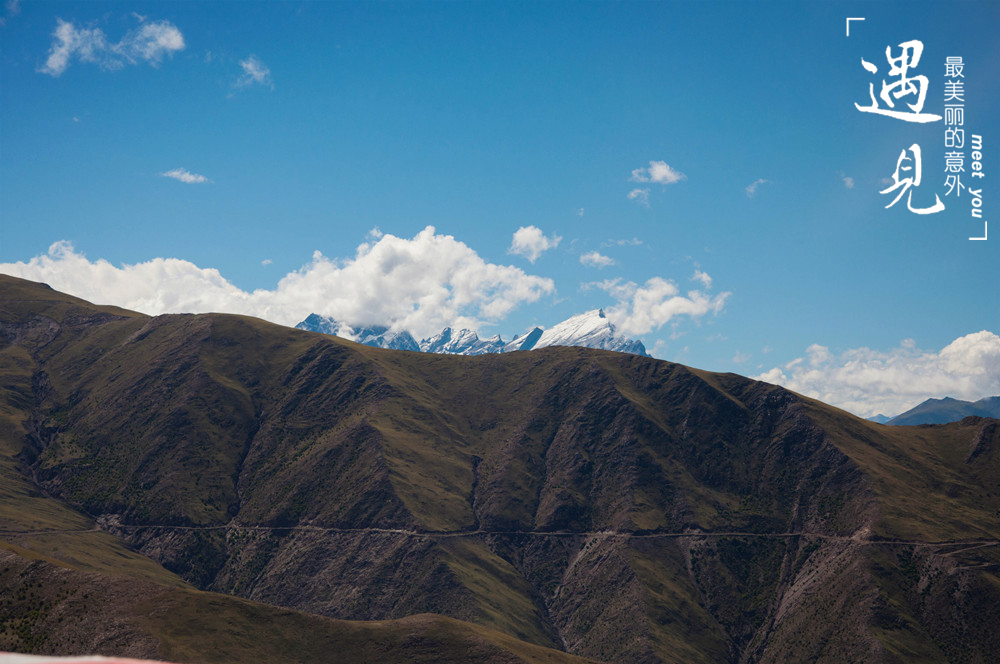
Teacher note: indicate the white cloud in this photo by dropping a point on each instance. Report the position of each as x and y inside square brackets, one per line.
[642, 309]
[420, 284]
[67, 40]
[254, 72]
[596, 259]
[150, 43]
[868, 382]
[774, 376]
[818, 355]
[740, 358]
[185, 176]
[848, 182]
[530, 242]
[659, 172]
[153, 41]
[266, 261]
[634, 242]
[702, 277]
[752, 187]
[640, 196]
[579, 212]
[11, 9]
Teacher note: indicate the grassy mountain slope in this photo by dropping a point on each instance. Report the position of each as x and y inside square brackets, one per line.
[614, 506]
[57, 609]
[73, 588]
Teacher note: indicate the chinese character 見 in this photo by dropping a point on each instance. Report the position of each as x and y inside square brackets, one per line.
[913, 180]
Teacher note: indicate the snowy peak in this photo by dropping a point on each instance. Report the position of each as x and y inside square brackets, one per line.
[590, 330]
[317, 323]
[527, 342]
[382, 337]
[379, 336]
[581, 330]
[465, 342]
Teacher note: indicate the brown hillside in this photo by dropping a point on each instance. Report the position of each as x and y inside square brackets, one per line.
[610, 505]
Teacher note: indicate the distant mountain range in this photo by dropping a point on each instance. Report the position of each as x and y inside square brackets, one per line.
[589, 330]
[942, 411]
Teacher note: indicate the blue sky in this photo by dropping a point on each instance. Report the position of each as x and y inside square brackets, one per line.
[314, 124]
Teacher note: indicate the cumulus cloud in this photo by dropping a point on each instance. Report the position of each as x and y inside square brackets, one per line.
[848, 182]
[185, 176]
[659, 172]
[420, 284]
[530, 242]
[151, 42]
[752, 187]
[869, 382]
[642, 309]
[640, 196]
[596, 259]
[255, 72]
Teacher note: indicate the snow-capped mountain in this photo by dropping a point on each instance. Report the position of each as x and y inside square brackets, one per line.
[466, 342]
[590, 330]
[526, 342]
[379, 336]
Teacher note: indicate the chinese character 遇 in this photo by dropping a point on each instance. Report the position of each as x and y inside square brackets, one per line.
[909, 58]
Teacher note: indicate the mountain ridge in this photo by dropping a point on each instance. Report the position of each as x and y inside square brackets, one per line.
[947, 409]
[614, 506]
